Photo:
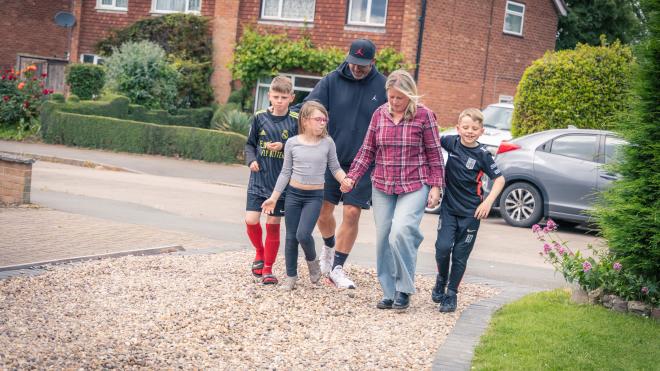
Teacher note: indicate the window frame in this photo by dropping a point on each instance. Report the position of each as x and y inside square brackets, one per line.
[349, 22]
[279, 17]
[101, 6]
[514, 13]
[292, 76]
[186, 11]
[96, 57]
[548, 146]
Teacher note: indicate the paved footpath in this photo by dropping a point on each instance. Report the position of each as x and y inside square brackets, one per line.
[33, 234]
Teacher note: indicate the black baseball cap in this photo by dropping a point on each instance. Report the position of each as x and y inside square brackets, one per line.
[362, 52]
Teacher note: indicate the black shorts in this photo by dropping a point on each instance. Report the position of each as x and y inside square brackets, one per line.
[254, 204]
[360, 195]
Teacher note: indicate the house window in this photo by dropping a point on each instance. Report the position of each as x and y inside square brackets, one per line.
[176, 6]
[112, 4]
[288, 10]
[367, 12]
[91, 58]
[302, 86]
[513, 18]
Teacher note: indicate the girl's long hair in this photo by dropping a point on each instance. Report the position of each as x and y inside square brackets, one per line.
[403, 82]
[306, 112]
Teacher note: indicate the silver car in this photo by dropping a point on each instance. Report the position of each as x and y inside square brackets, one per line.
[555, 173]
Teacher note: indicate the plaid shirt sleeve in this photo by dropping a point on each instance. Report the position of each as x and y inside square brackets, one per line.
[367, 153]
[432, 151]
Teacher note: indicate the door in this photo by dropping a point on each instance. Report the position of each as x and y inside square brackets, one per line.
[612, 147]
[568, 169]
[55, 68]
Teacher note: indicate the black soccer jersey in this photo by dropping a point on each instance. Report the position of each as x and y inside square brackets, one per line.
[266, 127]
[463, 172]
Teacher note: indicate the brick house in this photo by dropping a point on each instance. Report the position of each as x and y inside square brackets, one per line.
[469, 53]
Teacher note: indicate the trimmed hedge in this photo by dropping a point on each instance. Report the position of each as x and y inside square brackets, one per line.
[585, 87]
[137, 137]
[85, 80]
[119, 107]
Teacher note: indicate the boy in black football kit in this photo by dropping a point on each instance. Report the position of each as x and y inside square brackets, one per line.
[463, 205]
[264, 154]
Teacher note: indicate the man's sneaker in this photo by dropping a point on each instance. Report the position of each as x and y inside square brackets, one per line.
[450, 302]
[326, 259]
[438, 292]
[289, 283]
[339, 278]
[314, 271]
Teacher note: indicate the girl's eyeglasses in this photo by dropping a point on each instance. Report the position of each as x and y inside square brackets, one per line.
[319, 119]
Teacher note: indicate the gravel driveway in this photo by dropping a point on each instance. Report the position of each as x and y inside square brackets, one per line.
[206, 311]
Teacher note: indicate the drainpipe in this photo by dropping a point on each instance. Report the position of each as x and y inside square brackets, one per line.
[420, 37]
[490, 28]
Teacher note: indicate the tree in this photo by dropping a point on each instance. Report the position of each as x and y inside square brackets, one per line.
[588, 19]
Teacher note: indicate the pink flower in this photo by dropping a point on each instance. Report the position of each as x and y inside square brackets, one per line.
[536, 228]
[586, 266]
[617, 266]
[551, 225]
[546, 248]
[546, 229]
[645, 290]
[5, 98]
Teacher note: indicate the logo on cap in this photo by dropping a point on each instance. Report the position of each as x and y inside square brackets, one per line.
[359, 52]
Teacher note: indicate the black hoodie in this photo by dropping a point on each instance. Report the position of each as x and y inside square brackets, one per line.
[350, 104]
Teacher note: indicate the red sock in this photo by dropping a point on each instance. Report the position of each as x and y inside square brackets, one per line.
[254, 233]
[272, 245]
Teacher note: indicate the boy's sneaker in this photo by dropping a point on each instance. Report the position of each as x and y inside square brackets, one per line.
[339, 278]
[289, 283]
[326, 259]
[438, 292]
[449, 303]
[314, 271]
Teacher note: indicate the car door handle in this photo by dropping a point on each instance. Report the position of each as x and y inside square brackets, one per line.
[609, 176]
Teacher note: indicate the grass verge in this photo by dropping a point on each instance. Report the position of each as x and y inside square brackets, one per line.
[546, 331]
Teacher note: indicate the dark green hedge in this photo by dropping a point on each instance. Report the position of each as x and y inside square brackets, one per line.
[118, 107]
[75, 129]
[85, 80]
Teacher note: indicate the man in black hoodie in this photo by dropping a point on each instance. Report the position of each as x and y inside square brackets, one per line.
[351, 94]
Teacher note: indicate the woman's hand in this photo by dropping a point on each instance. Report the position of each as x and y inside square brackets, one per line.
[346, 185]
[254, 166]
[268, 206]
[434, 197]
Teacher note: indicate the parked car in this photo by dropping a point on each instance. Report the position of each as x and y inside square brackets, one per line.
[497, 125]
[555, 173]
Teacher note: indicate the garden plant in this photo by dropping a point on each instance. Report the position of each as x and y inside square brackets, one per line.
[22, 94]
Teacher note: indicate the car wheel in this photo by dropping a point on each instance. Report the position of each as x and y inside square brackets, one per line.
[521, 205]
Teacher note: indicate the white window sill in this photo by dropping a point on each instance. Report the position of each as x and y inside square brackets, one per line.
[112, 10]
[166, 12]
[288, 23]
[365, 28]
[511, 33]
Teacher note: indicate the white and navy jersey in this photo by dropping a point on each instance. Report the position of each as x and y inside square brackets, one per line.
[266, 127]
[463, 172]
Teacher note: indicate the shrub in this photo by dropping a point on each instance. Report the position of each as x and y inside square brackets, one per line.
[73, 98]
[194, 89]
[21, 95]
[57, 97]
[229, 118]
[140, 71]
[85, 80]
[585, 87]
[629, 211]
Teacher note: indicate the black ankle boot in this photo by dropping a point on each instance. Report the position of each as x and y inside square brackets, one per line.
[385, 304]
[402, 301]
[438, 292]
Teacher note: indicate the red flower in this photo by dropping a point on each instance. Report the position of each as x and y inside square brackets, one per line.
[45, 92]
[5, 98]
[26, 104]
[44, 75]
[50, 91]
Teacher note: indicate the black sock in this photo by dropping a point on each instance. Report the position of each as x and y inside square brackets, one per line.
[340, 259]
[330, 241]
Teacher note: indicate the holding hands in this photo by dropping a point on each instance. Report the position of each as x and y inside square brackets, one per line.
[434, 197]
[346, 185]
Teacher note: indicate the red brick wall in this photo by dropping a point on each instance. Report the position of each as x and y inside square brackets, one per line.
[96, 24]
[28, 27]
[456, 43]
[328, 28]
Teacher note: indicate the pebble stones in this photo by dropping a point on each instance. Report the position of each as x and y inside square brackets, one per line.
[206, 311]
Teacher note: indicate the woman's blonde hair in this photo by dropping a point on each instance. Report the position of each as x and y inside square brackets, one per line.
[403, 82]
[306, 112]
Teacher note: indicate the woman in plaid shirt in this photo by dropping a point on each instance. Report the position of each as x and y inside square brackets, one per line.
[404, 143]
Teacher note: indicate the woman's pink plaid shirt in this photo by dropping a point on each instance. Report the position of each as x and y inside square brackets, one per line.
[407, 155]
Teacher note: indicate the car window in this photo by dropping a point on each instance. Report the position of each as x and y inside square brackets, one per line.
[613, 146]
[497, 117]
[582, 147]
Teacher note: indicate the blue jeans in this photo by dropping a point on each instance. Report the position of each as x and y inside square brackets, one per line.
[302, 211]
[398, 237]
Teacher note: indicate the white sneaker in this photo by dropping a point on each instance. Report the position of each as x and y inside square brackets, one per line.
[289, 283]
[326, 259]
[339, 278]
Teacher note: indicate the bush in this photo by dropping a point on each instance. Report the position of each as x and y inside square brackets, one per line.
[130, 136]
[585, 87]
[140, 71]
[22, 94]
[229, 118]
[629, 211]
[186, 39]
[85, 80]
[57, 97]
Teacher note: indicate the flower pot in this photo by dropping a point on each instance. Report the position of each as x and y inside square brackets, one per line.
[619, 305]
[639, 308]
[579, 295]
